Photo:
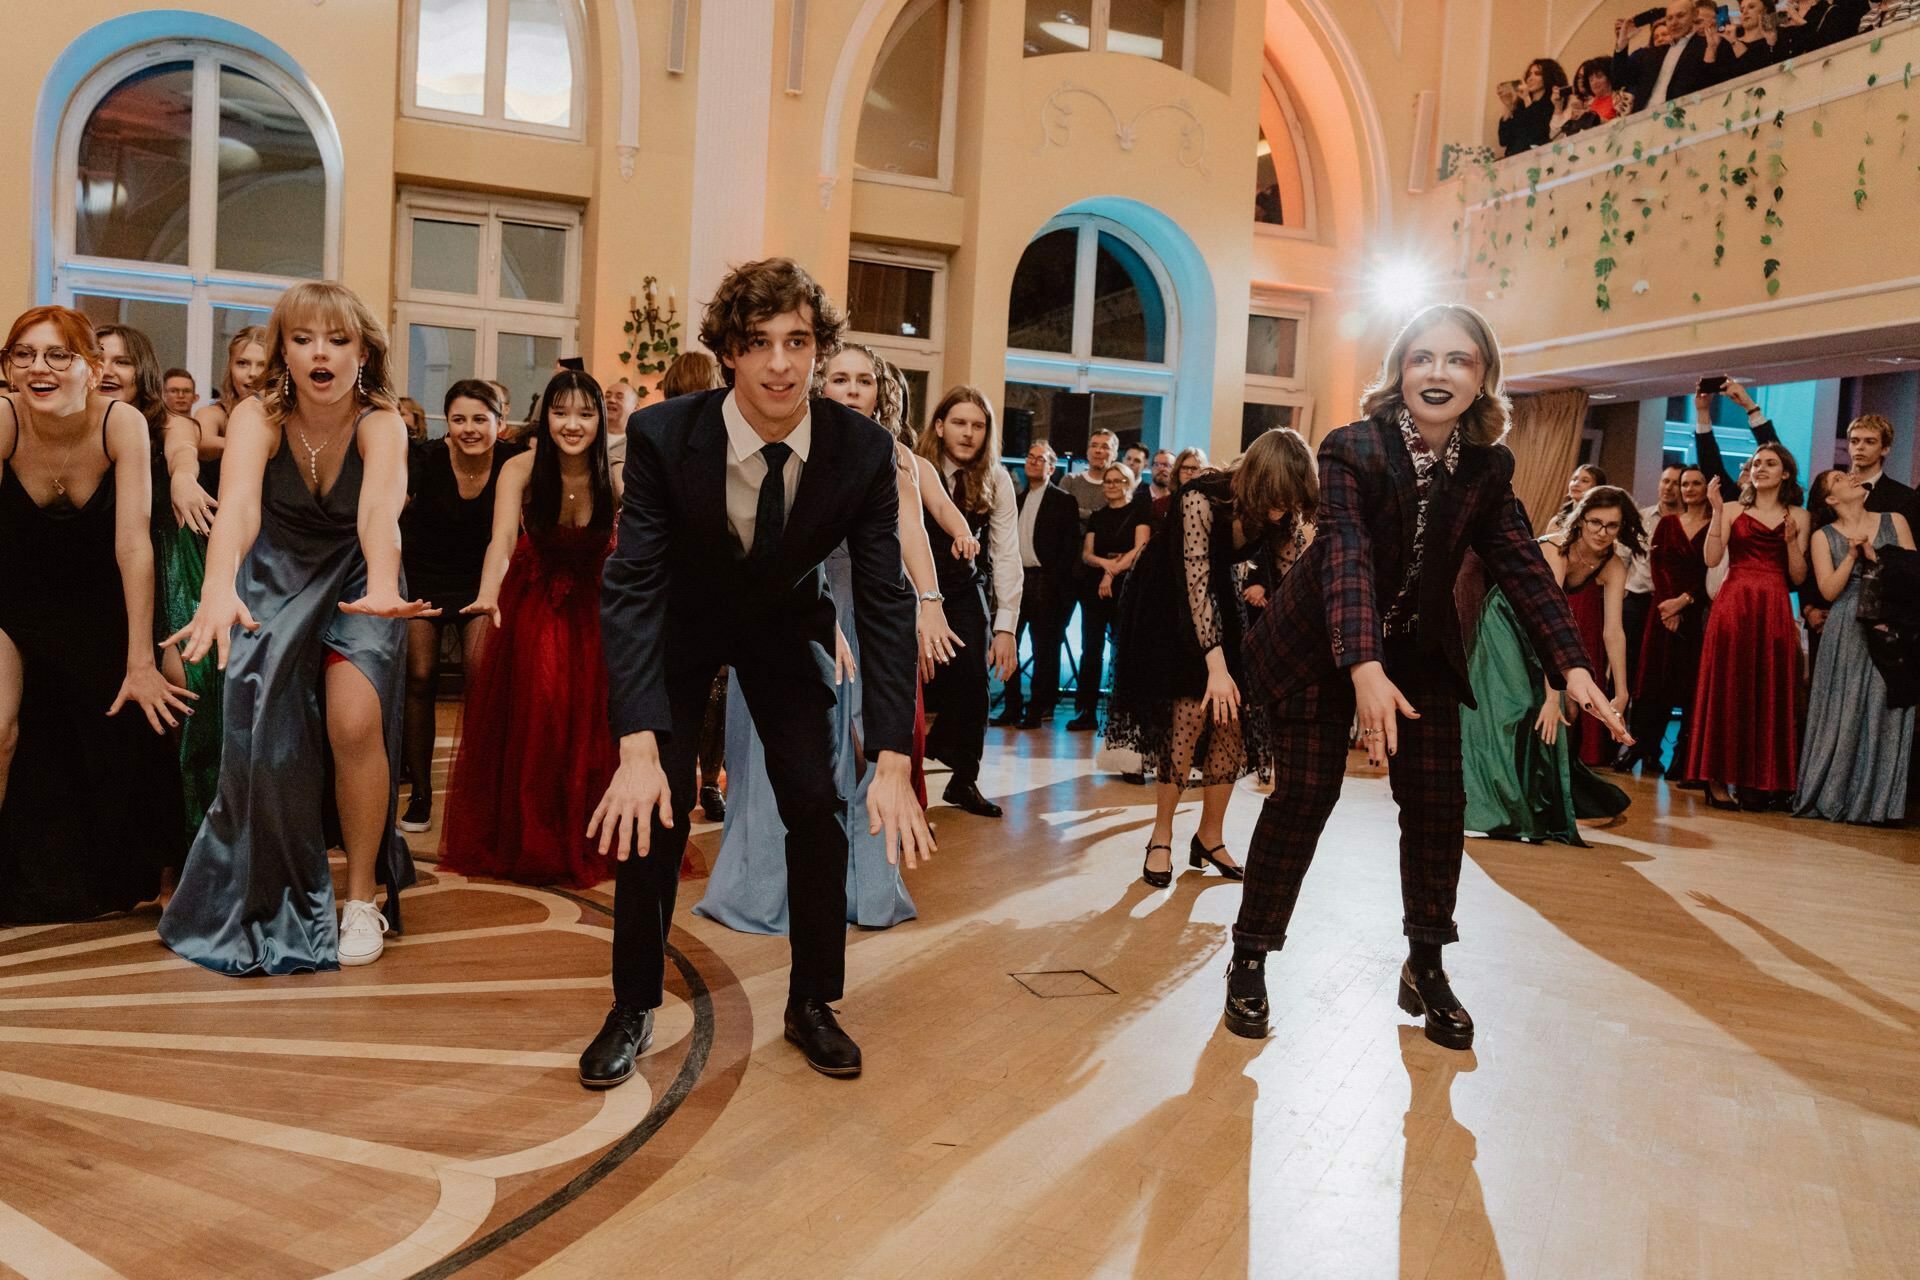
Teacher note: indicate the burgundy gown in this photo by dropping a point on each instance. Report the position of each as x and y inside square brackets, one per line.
[1670, 660]
[536, 753]
[1592, 744]
[1745, 729]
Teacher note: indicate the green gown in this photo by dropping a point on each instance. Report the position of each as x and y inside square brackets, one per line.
[1519, 788]
[183, 569]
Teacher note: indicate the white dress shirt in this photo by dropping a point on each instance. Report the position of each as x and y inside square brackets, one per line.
[1667, 67]
[1003, 542]
[746, 468]
[1639, 572]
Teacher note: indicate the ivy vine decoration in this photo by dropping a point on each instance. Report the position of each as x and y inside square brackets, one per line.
[653, 334]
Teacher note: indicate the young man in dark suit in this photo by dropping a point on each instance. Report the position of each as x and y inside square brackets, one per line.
[1659, 74]
[1049, 523]
[733, 499]
[1365, 629]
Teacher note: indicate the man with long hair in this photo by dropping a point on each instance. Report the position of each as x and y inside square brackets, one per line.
[733, 499]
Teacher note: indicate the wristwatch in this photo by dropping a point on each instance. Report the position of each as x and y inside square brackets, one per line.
[931, 597]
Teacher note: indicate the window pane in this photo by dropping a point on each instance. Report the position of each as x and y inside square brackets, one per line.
[900, 123]
[888, 299]
[1266, 187]
[1256, 419]
[1272, 345]
[451, 74]
[446, 256]
[1040, 309]
[525, 363]
[436, 359]
[918, 406]
[272, 215]
[1058, 26]
[533, 263]
[164, 323]
[539, 64]
[132, 171]
[1148, 29]
[1129, 316]
[1135, 419]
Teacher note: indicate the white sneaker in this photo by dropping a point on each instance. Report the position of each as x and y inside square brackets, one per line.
[361, 927]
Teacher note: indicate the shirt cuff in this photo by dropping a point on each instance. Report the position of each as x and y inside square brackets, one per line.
[1003, 620]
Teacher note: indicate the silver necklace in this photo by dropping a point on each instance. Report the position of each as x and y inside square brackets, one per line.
[313, 454]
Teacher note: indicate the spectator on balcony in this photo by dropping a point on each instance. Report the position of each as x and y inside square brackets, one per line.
[1825, 22]
[1887, 12]
[1655, 76]
[1508, 92]
[1541, 91]
[1593, 86]
[1756, 42]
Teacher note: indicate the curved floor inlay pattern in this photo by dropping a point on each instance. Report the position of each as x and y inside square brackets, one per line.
[412, 1117]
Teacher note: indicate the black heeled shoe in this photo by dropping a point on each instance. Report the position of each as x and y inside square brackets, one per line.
[1158, 879]
[1199, 856]
[1247, 1011]
[1426, 994]
[1716, 801]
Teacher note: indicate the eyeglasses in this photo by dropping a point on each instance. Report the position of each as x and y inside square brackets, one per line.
[58, 359]
[1593, 525]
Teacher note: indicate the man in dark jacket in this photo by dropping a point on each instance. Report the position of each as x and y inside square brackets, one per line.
[1660, 74]
[1049, 523]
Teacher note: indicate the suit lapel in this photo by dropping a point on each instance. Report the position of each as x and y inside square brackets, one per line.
[1405, 495]
[705, 466]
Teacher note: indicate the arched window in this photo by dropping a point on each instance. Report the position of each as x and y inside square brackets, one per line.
[193, 182]
[1283, 174]
[1162, 30]
[1092, 338]
[906, 123]
[505, 64]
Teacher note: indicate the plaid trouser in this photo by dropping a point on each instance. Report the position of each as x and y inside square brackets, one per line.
[1310, 757]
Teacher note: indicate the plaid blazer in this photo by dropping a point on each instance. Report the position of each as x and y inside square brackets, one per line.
[1329, 611]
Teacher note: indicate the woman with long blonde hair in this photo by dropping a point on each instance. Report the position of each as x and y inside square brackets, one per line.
[305, 606]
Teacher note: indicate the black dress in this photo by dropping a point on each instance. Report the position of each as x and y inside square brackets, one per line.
[92, 812]
[443, 536]
[1184, 600]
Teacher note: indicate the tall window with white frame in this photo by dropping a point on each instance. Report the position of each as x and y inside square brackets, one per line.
[502, 64]
[485, 289]
[1092, 339]
[1276, 394]
[896, 304]
[194, 182]
[1162, 30]
[906, 123]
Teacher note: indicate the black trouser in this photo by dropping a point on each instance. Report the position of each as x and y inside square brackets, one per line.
[713, 733]
[957, 694]
[1096, 617]
[791, 700]
[1633, 617]
[1043, 610]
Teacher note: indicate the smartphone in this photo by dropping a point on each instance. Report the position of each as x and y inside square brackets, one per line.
[1713, 384]
[1723, 16]
[1647, 17]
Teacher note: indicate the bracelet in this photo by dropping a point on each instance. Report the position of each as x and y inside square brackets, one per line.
[931, 597]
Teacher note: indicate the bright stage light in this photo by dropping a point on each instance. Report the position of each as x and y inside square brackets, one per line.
[1402, 284]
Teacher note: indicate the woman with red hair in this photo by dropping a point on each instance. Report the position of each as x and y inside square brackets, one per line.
[89, 785]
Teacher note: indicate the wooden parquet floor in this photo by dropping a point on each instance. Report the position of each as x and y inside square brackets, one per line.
[1698, 1054]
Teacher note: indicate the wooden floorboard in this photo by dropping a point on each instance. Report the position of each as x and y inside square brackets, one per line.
[1699, 1040]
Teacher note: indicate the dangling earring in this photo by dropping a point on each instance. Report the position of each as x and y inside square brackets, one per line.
[286, 386]
[359, 381]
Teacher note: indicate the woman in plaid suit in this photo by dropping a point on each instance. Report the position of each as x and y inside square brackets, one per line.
[1365, 629]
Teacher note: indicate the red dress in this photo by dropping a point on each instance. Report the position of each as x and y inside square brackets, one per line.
[1670, 660]
[1591, 741]
[1745, 731]
[536, 753]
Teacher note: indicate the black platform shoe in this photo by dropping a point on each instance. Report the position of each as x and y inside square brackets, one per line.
[1425, 994]
[1158, 879]
[1199, 856]
[1246, 1012]
[812, 1028]
[610, 1059]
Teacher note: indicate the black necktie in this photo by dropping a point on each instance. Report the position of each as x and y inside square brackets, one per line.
[1867, 485]
[770, 517]
[959, 487]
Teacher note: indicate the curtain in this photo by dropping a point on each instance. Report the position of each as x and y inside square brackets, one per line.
[1545, 440]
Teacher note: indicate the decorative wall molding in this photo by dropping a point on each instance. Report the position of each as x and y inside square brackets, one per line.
[831, 124]
[627, 138]
[1056, 122]
[1393, 16]
[1374, 139]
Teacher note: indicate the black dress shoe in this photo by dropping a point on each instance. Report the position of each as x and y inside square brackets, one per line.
[967, 798]
[1158, 879]
[1085, 722]
[712, 804]
[1032, 720]
[1198, 855]
[1009, 719]
[812, 1028]
[1137, 778]
[1246, 1013]
[1426, 994]
[610, 1059]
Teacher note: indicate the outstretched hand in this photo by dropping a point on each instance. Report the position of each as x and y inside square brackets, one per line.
[1585, 694]
[1378, 706]
[893, 808]
[623, 820]
[388, 604]
[211, 627]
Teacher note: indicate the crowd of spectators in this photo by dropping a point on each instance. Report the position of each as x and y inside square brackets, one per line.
[1663, 54]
